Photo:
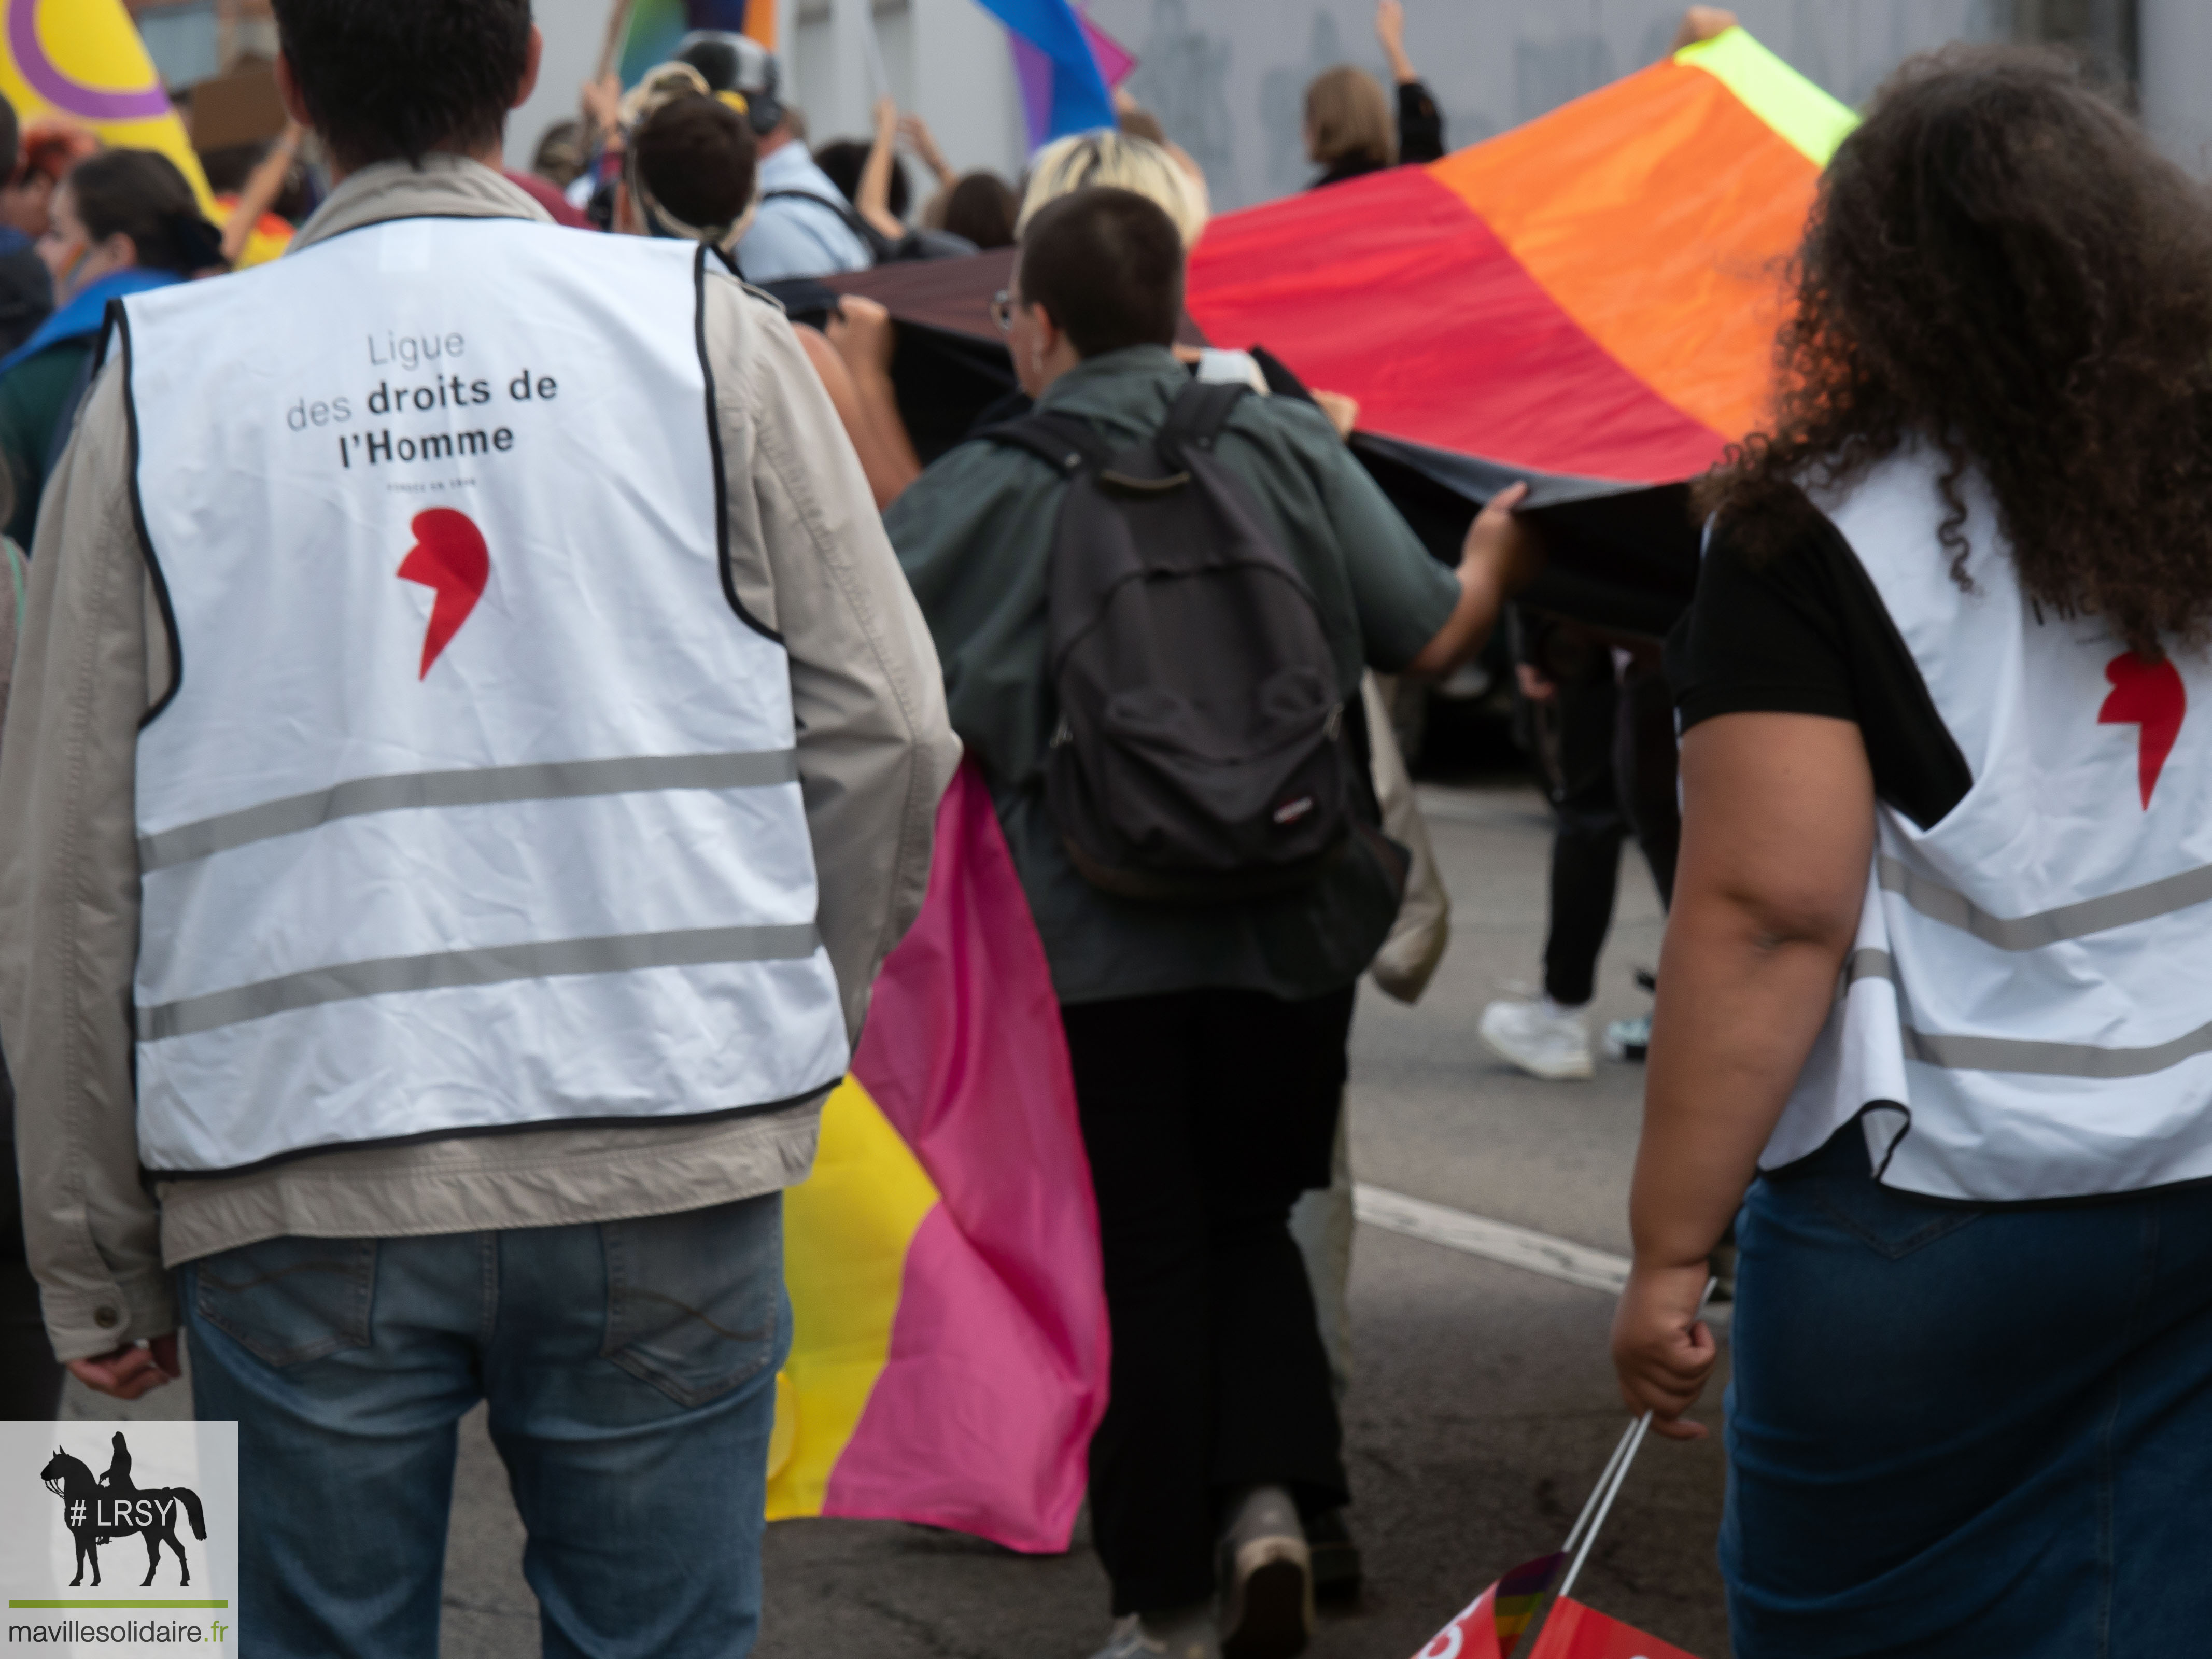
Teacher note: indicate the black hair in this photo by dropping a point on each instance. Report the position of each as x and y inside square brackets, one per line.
[140, 194]
[1999, 265]
[982, 207]
[1106, 265]
[845, 159]
[395, 79]
[697, 157]
[11, 139]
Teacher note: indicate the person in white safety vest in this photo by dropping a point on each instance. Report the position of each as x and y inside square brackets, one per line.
[472, 748]
[1935, 1004]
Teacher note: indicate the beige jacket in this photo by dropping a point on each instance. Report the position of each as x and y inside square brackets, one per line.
[809, 558]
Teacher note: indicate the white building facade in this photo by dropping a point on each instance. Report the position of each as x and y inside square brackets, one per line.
[1226, 76]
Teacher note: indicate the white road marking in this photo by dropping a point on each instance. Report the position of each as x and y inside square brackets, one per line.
[1496, 1241]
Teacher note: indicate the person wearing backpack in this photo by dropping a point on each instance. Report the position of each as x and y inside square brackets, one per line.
[1153, 600]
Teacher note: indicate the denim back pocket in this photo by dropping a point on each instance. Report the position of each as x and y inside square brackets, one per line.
[695, 1300]
[288, 1300]
[1892, 1223]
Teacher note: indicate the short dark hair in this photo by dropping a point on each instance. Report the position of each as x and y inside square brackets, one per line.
[697, 156]
[11, 139]
[398, 79]
[982, 207]
[1107, 264]
[846, 159]
[140, 194]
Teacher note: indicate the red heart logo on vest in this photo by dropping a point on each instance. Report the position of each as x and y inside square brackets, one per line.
[449, 558]
[2149, 694]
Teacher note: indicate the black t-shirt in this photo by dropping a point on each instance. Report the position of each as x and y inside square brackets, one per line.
[1801, 630]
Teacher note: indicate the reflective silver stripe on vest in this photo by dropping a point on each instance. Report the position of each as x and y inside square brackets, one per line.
[488, 965]
[1979, 1054]
[1868, 964]
[475, 787]
[1939, 903]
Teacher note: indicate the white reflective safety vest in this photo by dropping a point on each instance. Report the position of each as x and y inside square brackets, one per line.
[474, 803]
[2029, 1003]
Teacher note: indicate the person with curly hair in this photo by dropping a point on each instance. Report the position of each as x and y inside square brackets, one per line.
[1933, 1009]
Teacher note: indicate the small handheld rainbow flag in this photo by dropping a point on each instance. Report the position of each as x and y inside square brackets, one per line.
[1491, 1625]
[653, 28]
[948, 1356]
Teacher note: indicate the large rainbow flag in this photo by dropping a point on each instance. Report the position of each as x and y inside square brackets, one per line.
[82, 60]
[1589, 302]
[950, 1343]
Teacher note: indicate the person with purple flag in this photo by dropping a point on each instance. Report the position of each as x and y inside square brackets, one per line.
[1078, 99]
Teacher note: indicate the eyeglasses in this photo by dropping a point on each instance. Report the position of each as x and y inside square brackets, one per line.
[1002, 310]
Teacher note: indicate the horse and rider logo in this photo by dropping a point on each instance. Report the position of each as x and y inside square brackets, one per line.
[97, 1510]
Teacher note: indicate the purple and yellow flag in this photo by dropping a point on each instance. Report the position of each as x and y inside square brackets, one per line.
[949, 1355]
[82, 60]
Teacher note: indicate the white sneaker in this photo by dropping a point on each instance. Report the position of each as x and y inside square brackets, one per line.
[1187, 1633]
[1541, 1037]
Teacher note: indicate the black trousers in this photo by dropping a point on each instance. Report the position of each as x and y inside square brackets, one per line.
[1205, 1113]
[1614, 774]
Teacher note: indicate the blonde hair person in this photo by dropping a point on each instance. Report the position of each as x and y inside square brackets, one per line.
[1107, 157]
[1348, 118]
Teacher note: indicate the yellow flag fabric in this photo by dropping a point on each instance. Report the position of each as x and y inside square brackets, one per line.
[82, 60]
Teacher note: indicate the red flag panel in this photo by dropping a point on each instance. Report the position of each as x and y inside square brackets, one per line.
[1575, 1631]
[1475, 355]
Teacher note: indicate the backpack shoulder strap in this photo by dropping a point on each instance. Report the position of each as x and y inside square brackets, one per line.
[1199, 411]
[874, 241]
[1061, 441]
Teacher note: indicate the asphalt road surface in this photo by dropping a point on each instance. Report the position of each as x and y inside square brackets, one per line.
[1483, 1406]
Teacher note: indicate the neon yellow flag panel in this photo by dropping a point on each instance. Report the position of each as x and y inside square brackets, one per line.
[846, 1229]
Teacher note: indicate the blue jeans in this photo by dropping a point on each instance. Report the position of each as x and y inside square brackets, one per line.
[630, 1368]
[1957, 1430]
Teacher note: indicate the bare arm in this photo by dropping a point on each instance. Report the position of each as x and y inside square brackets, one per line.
[1390, 30]
[923, 143]
[263, 186]
[1778, 829]
[1499, 559]
[874, 201]
[865, 335]
[890, 467]
[1702, 23]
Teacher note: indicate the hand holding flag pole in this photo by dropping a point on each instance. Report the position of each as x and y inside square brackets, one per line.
[1609, 1485]
[1491, 1627]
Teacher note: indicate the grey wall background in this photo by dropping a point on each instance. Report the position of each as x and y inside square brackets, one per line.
[1227, 75]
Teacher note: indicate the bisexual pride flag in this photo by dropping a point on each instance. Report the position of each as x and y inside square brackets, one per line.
[950, 1343]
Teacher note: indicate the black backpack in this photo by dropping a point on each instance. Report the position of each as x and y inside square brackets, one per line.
[1202, 751]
